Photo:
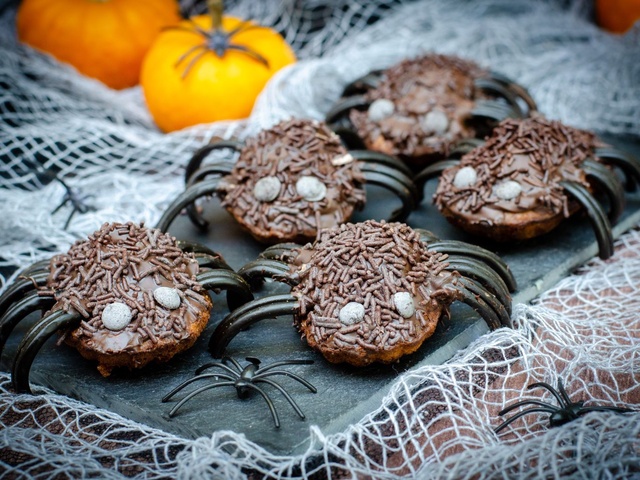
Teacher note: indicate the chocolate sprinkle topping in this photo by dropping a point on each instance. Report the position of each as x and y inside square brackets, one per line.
[368, 263]
[288, 151]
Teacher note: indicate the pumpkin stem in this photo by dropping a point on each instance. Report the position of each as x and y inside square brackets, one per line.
[216, 7]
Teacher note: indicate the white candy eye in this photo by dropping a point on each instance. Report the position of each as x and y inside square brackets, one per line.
[267, 189]
[116, 316]
[167, 297]
[311, 188]
[352, 312]
[404, 304]
[380, 109]
[436, 121]
[507, 190]
[465, 177]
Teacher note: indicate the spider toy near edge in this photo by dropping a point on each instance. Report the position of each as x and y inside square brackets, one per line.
[372, 291]
[124, 297]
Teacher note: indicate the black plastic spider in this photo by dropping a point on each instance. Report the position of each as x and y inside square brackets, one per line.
[244, 380]
[567, 412]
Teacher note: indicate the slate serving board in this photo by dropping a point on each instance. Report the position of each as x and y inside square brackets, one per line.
[345, 394]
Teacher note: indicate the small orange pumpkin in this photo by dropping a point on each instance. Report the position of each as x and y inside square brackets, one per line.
[617, 16]
[103, 39]
[210, 68]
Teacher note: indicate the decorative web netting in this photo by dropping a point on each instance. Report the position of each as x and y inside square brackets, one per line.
[436, 420]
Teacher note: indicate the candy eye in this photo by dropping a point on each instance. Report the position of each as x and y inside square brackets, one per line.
[352, 312]
[116, 316]
[404, 304]
[311, 188]
[465, 177]
[267, 189]
[435, 121]
[167, 297]
[507, 190]
[380, 109]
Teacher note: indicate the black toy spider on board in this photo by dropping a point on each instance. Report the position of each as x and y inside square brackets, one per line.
[124, 297]
[566, 412]
[244, 380]
[372, 291]
[290, 181]
[419, 109]
[530, 175]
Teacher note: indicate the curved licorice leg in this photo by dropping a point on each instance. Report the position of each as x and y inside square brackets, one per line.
[464, 146]
[523, 413]
[609, 183]
[198, 391]
[247, 315]
[516, 88]
[598, 219]
[372, 157]
[256, 271]
[432, 171]
[397, 183]
[219, 169]
[501, 309]
[190, 195]
[343, 106]
[562, 399]
[472, 268]
[629, 165]
[487, 313]
[202, 153]
[33, 340]
[238, 290]
[37, 267]
[360, 85]
[191, 380]
[456, 247]
[493, 110]
[20, 288]
[496, 88]
[280, 251]
[19, 311]
[204, 255]
[283, 392]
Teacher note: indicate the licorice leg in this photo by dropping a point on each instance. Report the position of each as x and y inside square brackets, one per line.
[238, 290]
[190, 195]
[19, 311]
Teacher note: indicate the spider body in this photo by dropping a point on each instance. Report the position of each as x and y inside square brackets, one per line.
[290, 181]
[421, 108]
[566, 411]
[245, 380]
[371, 291]
[124, 297]
[528, 177]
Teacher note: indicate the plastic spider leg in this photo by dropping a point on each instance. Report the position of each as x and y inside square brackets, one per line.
[272, 408]
[199, 156]
[292, 375]
[281, 251]
[432, 171]
[629, 165]
[198, 391]
[524, 403]
[498, 89]
[223, 365]
[77, 202]
[521, 92]
[479, 271]
[186, 198]
[340, 110]
[284, 393]
[560, 394]
[256, 271]
[191, 380]
[361, 85]
[397, 183]
[238, 290]
[247, 315]
[455, 247]
[598, 218]
[607, 182]
[488, 314]
[493, 110]
[508, 422]
[502, 310]
[19, 311]
[33, 340]
[21, 287]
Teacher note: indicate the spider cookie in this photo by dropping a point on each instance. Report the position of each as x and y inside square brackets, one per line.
[124, 297]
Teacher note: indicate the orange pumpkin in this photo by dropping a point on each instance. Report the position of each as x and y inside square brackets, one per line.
[617, 16]
[103, 39]
[210, 68]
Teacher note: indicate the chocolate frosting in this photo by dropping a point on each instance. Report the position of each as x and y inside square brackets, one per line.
[125, 263]
[416, 87]
[368, 263]
[288, 151]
